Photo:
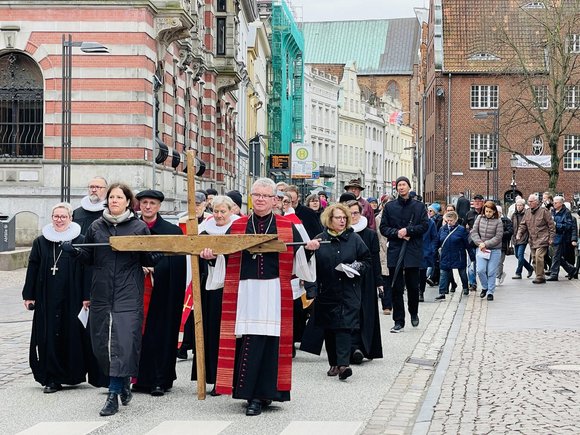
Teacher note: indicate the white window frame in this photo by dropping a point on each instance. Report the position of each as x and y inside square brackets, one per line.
[572, 159]
[574, 43]
[572, 97]
[541, 96]
[484, 96]
[481, 145]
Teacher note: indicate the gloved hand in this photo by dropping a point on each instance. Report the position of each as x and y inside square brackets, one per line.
[155, 257]
[380, 291]
[68, 247]
[356, 265]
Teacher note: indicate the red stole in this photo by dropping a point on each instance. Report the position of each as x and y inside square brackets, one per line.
[146, 299]
[227, 346]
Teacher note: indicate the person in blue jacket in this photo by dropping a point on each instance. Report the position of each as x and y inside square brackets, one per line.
[453, 250]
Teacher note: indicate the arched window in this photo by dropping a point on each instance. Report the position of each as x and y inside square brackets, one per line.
[21, 106]
[393, 90]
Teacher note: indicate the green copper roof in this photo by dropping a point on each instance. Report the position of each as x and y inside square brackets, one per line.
[377, 46]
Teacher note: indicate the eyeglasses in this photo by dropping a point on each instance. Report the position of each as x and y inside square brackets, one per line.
[286, 202]
[354, 213]
[339, 218]
[61, 217]
[96, 187]
[261, 196]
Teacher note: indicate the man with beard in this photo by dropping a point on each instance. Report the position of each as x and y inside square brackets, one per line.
[163, 299]
[92, 205]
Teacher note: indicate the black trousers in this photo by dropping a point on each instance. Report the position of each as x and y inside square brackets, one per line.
[408, 278]
[338, 344]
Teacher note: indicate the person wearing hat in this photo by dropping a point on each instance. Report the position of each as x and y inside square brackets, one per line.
[374, 203]
[403, 223]
[355, 187]
[163, 303]
[236, 196]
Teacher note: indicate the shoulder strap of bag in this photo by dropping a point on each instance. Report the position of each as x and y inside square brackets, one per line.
[443, 244]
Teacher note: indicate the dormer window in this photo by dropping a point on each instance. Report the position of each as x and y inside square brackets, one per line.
[534, 5]
[483, 56]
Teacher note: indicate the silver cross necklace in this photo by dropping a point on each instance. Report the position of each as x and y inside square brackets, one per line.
[55, 258]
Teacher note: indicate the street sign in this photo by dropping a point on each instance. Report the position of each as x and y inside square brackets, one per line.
[301, 160]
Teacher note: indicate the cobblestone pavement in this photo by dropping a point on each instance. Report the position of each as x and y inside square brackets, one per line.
[15, 323]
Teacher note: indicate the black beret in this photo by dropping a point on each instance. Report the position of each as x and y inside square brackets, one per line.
[149, 193]
[236, 197]
[347, 196]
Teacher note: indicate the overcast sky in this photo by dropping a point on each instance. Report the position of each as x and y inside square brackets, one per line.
[338, 10]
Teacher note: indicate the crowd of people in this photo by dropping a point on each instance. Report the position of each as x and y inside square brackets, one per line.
[344, 263]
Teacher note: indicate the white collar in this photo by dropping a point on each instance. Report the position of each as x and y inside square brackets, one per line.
[89, 206]
[72, 232]
[290, 211]
[362, 224]
[210, 227]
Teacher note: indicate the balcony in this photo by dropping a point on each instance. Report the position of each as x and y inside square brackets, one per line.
[327, 171]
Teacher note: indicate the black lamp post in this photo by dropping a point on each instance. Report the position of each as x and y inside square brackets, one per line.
[514, 165]
[488, 162]
[66, 127]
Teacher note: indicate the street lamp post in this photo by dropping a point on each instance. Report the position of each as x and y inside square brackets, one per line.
[488, 161]
[66, 125]
[514, 165]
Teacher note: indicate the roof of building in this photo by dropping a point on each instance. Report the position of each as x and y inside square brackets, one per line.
[475, 41]
[379, 47]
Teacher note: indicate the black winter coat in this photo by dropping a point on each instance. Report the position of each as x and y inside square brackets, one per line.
[116, 312]
[410, 214]
[338, 302]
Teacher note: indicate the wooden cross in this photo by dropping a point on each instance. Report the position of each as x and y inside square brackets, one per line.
[193, 244]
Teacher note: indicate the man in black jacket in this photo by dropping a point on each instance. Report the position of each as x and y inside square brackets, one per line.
[309, 218]
[462, 207]
[164, 291]
[403, 222]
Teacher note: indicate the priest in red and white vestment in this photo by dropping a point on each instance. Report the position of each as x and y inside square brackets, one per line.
[255, 350]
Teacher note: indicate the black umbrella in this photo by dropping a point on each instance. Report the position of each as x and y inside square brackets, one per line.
[402, 253]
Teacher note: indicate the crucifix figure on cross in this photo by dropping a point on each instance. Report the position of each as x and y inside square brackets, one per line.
[193, 245]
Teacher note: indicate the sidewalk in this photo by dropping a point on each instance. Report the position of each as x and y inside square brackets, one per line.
[507, 366]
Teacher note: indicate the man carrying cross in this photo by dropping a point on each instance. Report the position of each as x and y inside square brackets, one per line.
[257, 306]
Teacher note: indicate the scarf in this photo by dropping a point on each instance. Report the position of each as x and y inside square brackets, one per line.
[125, 216]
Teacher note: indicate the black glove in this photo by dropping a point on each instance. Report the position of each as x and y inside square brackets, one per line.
[155, 257]
[69, 248]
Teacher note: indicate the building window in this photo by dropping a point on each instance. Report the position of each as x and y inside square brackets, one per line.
[484, 96]
[221, 36]
[222, 5]
[574, 43]
[571, 151]
[483, 57]
[534, 5]
[572, 97]
[482, 145]
[541, 97]
[21, 107]
[537, 146]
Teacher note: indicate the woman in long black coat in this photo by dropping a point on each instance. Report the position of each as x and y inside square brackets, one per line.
[59, 346]
[338, 303]
[116, 305]
[367, 340]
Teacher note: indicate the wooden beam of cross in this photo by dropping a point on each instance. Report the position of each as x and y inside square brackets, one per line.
[192, 244]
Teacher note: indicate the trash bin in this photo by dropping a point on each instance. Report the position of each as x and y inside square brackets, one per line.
[7, 233]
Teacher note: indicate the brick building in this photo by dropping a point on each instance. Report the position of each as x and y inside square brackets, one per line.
[172, 64]
[479, 135]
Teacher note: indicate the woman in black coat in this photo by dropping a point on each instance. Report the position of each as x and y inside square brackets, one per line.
[367, 340]
[338, 303]
[116, 304]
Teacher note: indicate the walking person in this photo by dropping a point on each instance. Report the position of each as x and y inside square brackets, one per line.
[521, 242]
[338, 302]
[453, 245]
[564, 223]
[539, 225]
[508, 232]
[430, 257]
[386, 298]
[487, 234]
[54, 288]
[462, 207]
[404, 221]
[468, 223]
[116, 313]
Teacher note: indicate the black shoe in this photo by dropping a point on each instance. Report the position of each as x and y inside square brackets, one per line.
[415, 320]
[490, 297]
[213, 392]
[539, 281]
[530, 273]
[552, 278]
[126, 394]
[344, 372]
[473, 287]
[453, 288]
[254, 407]
[483, 293]
[421, 297]
[573, 274]
[440, 298]
[446, 292]
[157, 391]
[182, 353]
[430, 282]
[466, 291]
[111, 405]
[397, 328]
[52, 387]
[357, 357]
[265, 403]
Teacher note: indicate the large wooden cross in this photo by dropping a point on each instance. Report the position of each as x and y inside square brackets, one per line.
[193, 244]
